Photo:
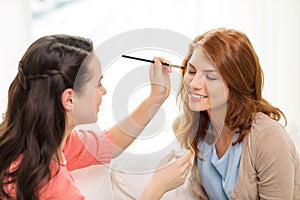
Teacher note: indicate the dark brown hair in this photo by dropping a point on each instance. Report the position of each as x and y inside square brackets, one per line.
[34, 123]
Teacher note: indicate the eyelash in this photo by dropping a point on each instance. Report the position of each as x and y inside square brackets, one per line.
[206, 76]
[212, 79]
[190, 72]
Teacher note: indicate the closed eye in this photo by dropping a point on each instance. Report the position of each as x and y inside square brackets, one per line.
[99, 82]
[191, 69]
[211, 76]
[191, 72]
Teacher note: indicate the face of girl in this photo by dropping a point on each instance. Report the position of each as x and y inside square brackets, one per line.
[203, 84]
[87, 103]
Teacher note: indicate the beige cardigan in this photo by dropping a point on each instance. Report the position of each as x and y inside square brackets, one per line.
[269, 167]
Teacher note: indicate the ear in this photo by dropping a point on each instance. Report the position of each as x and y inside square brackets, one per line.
[67, 99]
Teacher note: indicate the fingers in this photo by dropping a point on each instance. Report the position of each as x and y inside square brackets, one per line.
[160, 80]
[158, 63]
[166, 160]
[184, 171]
[186, 157]
[187, 170]
[187, 166]
[184, 162]
[169, 157]
[156, 69]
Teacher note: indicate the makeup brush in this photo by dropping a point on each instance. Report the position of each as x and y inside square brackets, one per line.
[151, 61]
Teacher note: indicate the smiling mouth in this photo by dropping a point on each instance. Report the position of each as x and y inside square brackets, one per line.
[198, 96]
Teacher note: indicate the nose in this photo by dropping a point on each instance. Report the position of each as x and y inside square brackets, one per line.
[102, 90]
[197, 82]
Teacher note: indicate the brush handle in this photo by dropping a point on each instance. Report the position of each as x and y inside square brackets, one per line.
[151, 61]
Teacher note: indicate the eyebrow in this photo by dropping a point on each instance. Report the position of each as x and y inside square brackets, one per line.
[206, 70]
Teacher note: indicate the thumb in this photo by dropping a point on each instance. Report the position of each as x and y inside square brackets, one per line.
[186, 157]
[169, 157]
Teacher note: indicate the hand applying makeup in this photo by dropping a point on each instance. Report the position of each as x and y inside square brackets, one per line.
[130, 127]
[160, 80]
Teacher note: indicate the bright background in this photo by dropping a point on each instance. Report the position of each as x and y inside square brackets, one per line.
[273, 26]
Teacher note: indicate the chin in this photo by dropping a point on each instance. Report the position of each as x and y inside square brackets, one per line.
[196, 108]
[94, 120]
[87, 121]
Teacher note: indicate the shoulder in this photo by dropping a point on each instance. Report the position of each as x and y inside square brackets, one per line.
[264, 127]
[263, 121]
[267, 138]
[80, 137]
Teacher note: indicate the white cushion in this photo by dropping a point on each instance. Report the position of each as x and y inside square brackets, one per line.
[94, 182]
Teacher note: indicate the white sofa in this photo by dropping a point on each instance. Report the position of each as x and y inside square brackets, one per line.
[126, 176]
[124, 179]
[98, 182]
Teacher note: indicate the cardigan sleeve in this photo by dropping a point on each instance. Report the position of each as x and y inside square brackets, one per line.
[274, 158]
[85, 148]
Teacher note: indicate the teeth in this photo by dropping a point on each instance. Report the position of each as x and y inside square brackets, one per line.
[198, 96]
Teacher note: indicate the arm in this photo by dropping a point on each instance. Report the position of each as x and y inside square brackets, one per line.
[125, 132]
[274, 163]
[85, 148]
[168, 176]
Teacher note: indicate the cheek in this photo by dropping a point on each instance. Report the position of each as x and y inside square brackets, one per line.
[84, 100]
[186, 81]
[218, 93]
[84, 108]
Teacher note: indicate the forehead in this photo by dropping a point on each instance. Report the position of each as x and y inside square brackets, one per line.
[95, 65]
[200, 61]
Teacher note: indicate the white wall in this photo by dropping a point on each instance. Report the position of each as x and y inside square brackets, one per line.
[14, 38]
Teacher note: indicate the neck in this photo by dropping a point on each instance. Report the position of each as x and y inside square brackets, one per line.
[70, 125]
[217, 119]
[224, 134]
[223, 141]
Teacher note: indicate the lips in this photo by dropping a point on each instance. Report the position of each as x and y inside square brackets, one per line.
[197, 96]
